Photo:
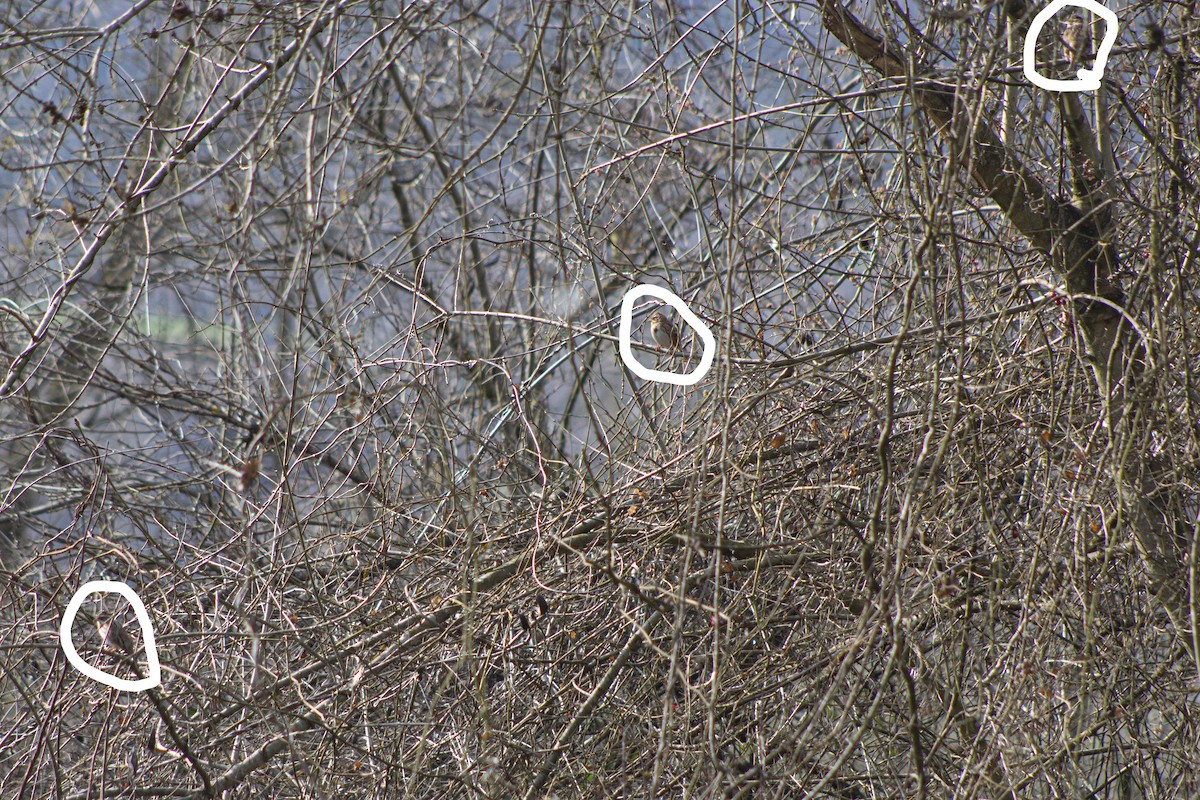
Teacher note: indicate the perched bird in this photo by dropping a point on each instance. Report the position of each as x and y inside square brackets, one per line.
[663, 332]
[1154, 36]
[1077, 38]
[113, 634]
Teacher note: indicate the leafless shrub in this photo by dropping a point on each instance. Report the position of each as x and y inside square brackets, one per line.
[309, 325]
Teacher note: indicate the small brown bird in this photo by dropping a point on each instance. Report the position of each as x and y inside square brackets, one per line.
[113, 634]
[1077, 38]
[663, 332]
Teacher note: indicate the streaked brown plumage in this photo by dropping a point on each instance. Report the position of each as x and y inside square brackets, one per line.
[663, 332]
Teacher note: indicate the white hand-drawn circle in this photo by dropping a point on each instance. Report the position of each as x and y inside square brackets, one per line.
[1089, 79]
[693, 321]
[154, 678]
